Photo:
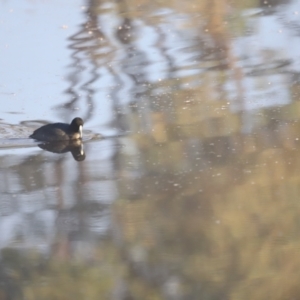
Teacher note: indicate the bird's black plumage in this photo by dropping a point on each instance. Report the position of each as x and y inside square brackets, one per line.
[59, 131]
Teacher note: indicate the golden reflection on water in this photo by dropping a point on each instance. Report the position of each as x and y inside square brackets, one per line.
[225, 217]
[207, 204]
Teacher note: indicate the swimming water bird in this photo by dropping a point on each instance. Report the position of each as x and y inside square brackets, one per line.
[59, 131]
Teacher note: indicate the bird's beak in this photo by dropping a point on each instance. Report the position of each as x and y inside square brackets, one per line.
[80, 131]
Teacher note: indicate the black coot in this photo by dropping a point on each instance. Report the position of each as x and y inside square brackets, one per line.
[59, 131]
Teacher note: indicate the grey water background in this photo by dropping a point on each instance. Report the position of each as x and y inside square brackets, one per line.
[190, 185]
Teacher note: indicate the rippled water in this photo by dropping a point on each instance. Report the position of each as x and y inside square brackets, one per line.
[186, 183]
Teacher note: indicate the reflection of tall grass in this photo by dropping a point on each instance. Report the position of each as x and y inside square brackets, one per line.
[84, 44]
[229, 225]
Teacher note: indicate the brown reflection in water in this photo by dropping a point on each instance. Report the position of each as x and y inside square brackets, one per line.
[211, 221]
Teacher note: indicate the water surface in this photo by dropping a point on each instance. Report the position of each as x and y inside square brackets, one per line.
[189, 188]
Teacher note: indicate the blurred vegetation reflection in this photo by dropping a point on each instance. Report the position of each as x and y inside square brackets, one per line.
[206, 175]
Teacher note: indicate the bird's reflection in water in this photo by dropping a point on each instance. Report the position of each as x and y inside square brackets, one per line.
[74, 146]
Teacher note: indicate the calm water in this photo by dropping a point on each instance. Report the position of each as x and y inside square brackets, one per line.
[191, 179]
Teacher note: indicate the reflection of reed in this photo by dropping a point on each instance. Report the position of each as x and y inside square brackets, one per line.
[84, 44]
[90, 52]
[133, 65]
